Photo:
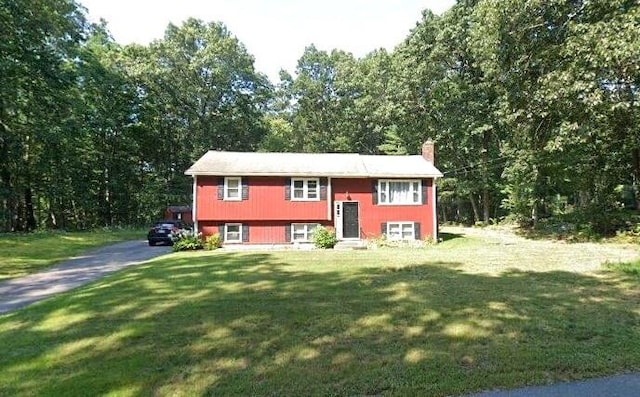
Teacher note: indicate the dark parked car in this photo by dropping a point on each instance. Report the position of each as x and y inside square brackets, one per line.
[165, 232]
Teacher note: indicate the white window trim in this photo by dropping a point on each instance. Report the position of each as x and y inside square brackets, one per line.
[400, 224]
[305, 186]
[226, 232]
[226, 188]
[411, 181]
[308, 232]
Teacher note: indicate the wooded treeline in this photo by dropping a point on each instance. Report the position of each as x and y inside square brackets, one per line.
[533, 105]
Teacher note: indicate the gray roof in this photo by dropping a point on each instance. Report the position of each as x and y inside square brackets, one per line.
[339, 165]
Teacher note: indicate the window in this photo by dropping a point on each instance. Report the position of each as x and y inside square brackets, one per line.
[302, 232]
[232, 188]
[305, 189]
[233, 233]
[400, 231]
[400, 192]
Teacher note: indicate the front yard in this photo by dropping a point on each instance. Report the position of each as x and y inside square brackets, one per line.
[480, 311]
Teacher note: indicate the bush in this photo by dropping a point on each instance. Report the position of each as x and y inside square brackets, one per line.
[213, 242]
[187, 241]
[324, 238]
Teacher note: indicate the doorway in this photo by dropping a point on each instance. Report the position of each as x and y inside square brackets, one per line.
[350, 220]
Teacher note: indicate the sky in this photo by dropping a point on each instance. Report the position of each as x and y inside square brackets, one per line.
[275, 32]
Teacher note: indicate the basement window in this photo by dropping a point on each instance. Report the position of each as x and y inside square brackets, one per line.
[400, 231]
[233, 233]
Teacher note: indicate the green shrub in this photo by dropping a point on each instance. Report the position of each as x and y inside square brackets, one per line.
[213, 242]
[187, 241]
[324, 238]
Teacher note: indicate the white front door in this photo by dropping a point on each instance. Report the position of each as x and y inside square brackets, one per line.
[337, 218]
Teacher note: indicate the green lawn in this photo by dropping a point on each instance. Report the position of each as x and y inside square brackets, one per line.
[23, 254]
[473, 313]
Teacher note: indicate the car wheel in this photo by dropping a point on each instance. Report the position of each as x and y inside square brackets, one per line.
[151, 243]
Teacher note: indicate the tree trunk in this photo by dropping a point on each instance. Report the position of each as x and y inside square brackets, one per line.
[8, 205]
[486, 210]
[474, 206]
[30, 217]
[443, 211]
[485, 178]
[635, 161]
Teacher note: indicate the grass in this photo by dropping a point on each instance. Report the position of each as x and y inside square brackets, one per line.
[444, 320]
[630, 268]
[23, 254]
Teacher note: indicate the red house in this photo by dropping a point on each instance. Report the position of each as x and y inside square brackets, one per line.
[268, 198]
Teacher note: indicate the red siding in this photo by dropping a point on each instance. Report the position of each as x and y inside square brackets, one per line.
[373, 215]
[266, 202]
[267, 212]
[260, 232]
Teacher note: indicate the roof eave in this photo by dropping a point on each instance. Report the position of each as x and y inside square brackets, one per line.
[330, 175]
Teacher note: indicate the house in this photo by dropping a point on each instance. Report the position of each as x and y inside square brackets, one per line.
[272, 198]
[179, 213]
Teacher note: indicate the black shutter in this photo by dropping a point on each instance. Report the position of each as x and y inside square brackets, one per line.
[245, 232]
[221, 231]
[416, 231]
[383, 229]
[287, 233]
[287, 189]
[374, 191]
[323, 188]
[220, 188]
[425, 190]
[245, 189]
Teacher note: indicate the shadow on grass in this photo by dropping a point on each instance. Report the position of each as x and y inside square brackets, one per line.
[449, 236]
[290, 324]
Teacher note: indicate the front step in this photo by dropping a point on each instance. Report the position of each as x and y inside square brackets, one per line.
[351, 245]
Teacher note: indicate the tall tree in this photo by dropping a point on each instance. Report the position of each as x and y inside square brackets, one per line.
[198, 90]
[38, 52]
[539, 56]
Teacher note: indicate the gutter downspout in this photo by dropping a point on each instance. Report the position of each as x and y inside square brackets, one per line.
[329, 199]
[434, 211]
[194, 210]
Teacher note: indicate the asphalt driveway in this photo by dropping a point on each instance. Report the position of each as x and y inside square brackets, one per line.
[90, 266]
[623, 385]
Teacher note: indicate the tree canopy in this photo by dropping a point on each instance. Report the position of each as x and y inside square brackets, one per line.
[533, 106]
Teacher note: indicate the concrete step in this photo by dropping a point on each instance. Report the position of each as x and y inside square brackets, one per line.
[351, 245]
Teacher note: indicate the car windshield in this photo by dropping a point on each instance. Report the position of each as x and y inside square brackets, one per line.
[166, 225]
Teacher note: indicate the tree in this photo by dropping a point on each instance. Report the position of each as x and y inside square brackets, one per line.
[198, 90]
[38, 55]
[557, 97]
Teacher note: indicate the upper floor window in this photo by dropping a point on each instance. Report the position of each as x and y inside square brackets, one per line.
[232, 188]
[305, 189]
[400, 192]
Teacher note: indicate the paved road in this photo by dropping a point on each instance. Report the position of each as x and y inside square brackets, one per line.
[625, 385]
[23, 291]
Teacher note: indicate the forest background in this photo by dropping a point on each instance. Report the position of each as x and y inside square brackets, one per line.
[533, 105]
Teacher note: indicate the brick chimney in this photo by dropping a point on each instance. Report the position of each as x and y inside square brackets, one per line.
[429, 151]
